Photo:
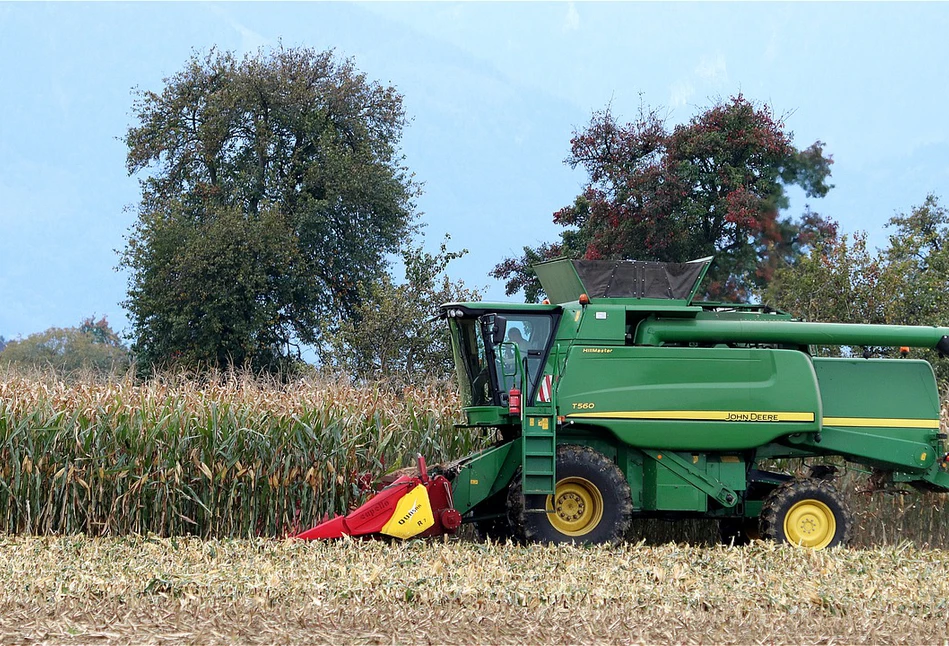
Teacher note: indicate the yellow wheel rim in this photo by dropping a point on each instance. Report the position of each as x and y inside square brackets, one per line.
[576, 507]
[810, 523]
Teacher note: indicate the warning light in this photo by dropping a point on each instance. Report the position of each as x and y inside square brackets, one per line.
[584, 299]
[904, 351]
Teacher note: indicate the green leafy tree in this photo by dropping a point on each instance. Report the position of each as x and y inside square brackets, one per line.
[712, 187]
[92, 346]
[918, 262]
[273, 187]
[839, 281]
[395, 335]
[907, 283]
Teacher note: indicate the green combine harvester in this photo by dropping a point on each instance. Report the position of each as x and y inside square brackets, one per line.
[625, 397]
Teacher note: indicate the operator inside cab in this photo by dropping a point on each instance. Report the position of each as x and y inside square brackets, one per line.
[518, 339]
[515, 337]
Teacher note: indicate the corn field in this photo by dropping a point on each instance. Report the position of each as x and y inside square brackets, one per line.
[239, 456]
[232, 456]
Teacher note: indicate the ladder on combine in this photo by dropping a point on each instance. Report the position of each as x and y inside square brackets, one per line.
[539, 439]
[538, 442]
[539, 450]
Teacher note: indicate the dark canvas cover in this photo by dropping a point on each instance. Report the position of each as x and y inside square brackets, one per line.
[638, 279]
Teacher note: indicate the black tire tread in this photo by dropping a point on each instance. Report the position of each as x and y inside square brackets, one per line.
[784, 496]
[573, 455]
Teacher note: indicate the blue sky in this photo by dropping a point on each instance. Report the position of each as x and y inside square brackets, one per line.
[494, 91]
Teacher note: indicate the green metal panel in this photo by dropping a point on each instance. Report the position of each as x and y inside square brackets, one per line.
[729, 470]
[560, 280]
[691, 469]
[880, 411]
[753, 508]
[706, 263]
[701, 399]
[683, 482]
[664, 490]
[937, 478]
[488, 416]
[483, 474]
[877, 388]
[603, 324]
[776, 450]
[630, 461]
[871, 446]
[568, 328]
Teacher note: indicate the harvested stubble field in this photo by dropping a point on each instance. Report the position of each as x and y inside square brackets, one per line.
[128, 589]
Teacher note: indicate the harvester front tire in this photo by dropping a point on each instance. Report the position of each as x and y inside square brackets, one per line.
[809, 513]
[592, 504]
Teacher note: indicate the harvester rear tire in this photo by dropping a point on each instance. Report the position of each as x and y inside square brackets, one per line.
[808, 512]
[592, 504]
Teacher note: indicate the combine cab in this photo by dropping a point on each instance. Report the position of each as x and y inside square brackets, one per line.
[629, 398]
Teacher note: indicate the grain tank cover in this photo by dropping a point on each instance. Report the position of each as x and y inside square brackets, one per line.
[564, 280]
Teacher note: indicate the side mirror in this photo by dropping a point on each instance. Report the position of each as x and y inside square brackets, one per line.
[500, 327]
[494, 327]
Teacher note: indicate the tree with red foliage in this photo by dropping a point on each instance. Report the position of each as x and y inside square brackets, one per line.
[712, 187]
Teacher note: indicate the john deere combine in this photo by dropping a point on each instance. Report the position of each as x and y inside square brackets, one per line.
[626, 397]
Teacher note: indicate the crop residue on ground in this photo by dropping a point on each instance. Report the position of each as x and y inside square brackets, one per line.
[189, 590]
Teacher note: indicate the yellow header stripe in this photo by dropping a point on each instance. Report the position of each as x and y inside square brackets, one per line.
[881, 422]
[703, 415]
